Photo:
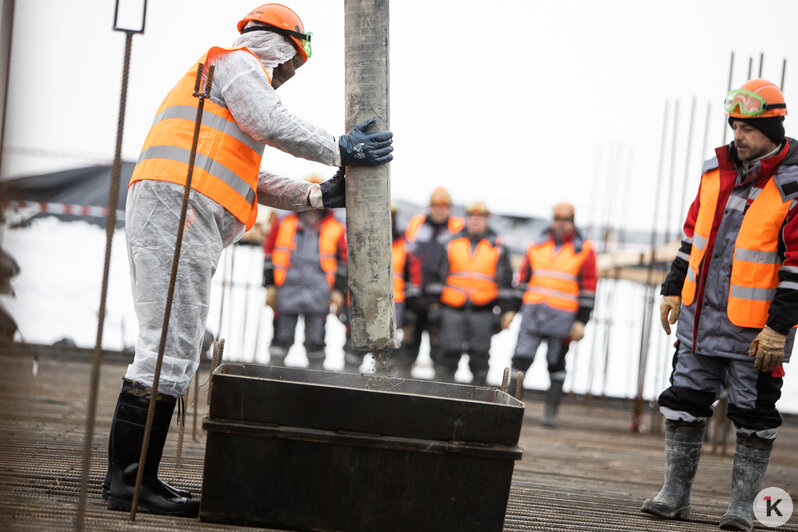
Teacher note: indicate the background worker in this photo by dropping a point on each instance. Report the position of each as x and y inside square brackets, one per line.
[426, 235]
[304, 273]
[475, 286]
[406, 290]
[558, 278]
[733, 289]
[242, 115]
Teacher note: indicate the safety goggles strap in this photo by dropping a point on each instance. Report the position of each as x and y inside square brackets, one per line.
[263, 26]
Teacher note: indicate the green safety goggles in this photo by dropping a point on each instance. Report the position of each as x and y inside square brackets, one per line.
[747, 103]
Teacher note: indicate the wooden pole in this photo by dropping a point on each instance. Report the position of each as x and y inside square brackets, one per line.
[368, 196]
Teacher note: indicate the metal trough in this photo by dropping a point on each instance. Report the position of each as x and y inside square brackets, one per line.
[316, 450]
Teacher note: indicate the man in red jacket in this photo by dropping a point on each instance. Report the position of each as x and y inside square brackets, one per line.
[733, 289]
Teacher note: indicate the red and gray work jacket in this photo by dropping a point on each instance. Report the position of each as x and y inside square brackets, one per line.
[737, 268]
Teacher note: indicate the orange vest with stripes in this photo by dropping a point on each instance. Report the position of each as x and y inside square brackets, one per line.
[555, 275]
[399, 258]
[331, 233]
[472, 277]
[227, 159]
[455, 226]
[756, 262]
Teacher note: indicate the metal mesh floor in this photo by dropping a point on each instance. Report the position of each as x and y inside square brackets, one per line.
[589, 474]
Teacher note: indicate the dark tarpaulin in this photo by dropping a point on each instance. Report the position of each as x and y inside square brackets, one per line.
[88, 185]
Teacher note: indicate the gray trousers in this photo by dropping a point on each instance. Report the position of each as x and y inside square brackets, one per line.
[285, 331]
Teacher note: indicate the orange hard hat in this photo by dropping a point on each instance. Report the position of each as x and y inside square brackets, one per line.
[477, 207]
[282, 20]
[440, 196]
[756, 98]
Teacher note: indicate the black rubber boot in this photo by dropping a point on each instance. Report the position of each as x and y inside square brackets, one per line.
[444, 373]
[107, 482]
[551, 404]
[683, 442]
[127, 435]
[480, 378]
[751, 457]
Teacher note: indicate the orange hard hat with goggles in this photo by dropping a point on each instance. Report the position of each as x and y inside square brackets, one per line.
[757, 98]
[279, 19]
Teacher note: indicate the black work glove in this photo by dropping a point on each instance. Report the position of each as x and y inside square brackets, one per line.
[333, 191]
[365, 149]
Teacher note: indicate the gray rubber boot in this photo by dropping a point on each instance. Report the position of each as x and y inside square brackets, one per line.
[751, 457]
[683, 442]
[551, 404]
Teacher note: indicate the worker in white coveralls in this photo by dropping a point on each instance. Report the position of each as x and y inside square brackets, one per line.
[242, 115]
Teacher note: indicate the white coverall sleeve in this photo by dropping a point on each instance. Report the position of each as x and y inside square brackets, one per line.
[286, 193]
[258, 110]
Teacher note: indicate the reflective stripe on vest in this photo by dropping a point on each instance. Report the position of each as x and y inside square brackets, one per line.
[471, 277]
[455, 226]
[330, 235]
[227, 160]
[399, 257]
[708, 200]
[555, 275]
[755, 268]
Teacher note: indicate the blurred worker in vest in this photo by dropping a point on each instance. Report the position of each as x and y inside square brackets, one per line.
[406, 290]
[241, 116]
[733, 289]
[558, 280]
[426, 235]
[475, 288]
[304, 274]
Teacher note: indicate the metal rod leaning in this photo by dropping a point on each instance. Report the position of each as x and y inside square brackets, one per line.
[110, 226]
[170, 293]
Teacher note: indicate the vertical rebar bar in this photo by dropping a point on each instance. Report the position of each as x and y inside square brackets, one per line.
[648, 296]
[728, 88]
[110, 227]
[783, 73]
[688, 151]
[669, 206]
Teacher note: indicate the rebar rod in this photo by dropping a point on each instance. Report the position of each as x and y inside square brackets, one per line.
[110, 227]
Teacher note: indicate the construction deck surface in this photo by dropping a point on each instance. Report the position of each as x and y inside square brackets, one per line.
[590, 473]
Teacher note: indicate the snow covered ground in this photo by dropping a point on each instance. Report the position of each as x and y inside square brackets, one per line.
[58, 296]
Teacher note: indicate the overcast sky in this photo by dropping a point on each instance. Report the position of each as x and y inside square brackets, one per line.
[521, 103]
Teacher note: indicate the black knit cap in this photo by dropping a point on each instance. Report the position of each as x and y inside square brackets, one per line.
[772, 126]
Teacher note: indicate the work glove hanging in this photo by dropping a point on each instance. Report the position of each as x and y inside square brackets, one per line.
[669, 311]
[271, 296]
[507, 319]
[336, 301]
[768, 349]
[577, 331]
[333, 191]
[365, 149]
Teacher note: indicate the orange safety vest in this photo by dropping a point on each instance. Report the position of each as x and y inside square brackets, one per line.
[227, 160]
[555, 274]
[471, 276]
[756, 262]
[399, 258]
[455, 226]
[330, 235]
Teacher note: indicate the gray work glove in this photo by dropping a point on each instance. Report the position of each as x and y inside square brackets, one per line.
[669, 311]
[359, 147]
[768, 349]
